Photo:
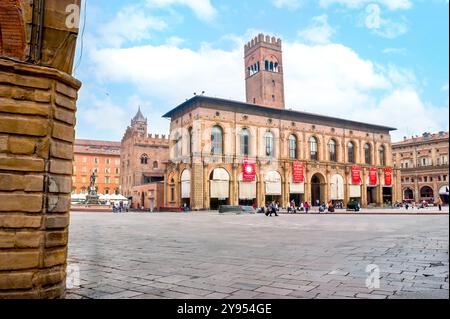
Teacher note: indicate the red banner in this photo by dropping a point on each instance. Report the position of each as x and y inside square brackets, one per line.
[298, 172]
[356, 175]
[388, 176]
[373, 176]
[248, 171]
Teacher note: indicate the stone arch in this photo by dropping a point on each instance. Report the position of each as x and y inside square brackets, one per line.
[219, 187]
[408, 194]
[12, 29]
[318, 188]
[337, 187]
[426, 193]
[186, 184]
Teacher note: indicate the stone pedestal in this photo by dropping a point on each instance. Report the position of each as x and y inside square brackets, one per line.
[37, 119]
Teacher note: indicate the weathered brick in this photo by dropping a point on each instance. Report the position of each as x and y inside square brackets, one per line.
[11, 220]
[24, 107]
[26, 239]
[66, 90]
[64, 115]
[58, 204]
[26, 81]
[12, 260]
[31, 294]
[21, 145]
[28, 183]
[66, 102]
[16, 280]
[56, 221]
[52, 277]
[23, 164]
[43, 148]
[3, 143]
[60, 184]
[30, 203]
[55, 257]
[22, 125]
[63, 132]
[61, 167]
[61, 150]
[56, 238]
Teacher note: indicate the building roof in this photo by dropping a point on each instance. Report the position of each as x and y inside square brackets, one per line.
[139, 117]
[424, 139]
[97, 147]
[246, 108]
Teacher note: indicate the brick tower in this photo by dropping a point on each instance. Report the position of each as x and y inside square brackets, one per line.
[264, 72]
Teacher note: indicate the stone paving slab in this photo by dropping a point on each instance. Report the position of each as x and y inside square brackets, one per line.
[207, 255]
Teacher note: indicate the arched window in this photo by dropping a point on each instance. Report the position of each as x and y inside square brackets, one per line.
[271, 66]
[245, 142]
[292, 147]
[332, 150]
[382, 155]
[351, 152]
[144, 159]
[268, 137]
[313, 149]
[368, 154]
[155, 164]
[216, 140]
[266, 65]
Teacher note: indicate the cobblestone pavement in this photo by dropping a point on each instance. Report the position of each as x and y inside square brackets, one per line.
[207, 255]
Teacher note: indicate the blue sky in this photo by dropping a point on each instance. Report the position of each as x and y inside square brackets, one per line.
[379, 61]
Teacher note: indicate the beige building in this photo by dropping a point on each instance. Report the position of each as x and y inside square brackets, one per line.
[143, 159]
[210, 138]
[423, 161]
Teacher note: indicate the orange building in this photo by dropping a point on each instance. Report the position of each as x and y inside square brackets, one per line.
[101, 157]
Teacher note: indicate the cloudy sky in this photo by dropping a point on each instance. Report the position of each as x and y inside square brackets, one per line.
[379, 61]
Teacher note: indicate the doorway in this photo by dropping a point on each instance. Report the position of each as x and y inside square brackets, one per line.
[317, 190]
[371, 195]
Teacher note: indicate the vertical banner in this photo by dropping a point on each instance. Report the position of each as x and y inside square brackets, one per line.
[388, 176]
[298, 172]
[373, 176]
[248, 171]
[356, 175]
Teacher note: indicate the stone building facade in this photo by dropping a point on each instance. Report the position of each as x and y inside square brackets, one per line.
[423, 161]
[210, 139]
[143, 163]
[101, 157]
[37, 118]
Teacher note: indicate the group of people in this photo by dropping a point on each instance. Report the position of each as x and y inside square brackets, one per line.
[413, 205]
[270, 208]
[119, 207]
[305, 207]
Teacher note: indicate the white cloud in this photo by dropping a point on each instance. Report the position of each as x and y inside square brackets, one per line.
[329, 79]
[319, 31]
[202, 8]
[291, 4]
[357, 4]
[401, 51]
[130, 24]
[382, 27]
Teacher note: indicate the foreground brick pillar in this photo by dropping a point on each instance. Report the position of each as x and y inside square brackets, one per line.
[37, 119]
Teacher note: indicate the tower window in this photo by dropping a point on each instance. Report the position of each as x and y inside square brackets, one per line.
[266, 65]
[273, 98]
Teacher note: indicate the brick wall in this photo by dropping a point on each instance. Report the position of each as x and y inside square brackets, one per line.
[12, 31]
[37, 118]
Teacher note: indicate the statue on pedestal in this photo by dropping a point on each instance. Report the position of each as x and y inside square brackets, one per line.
[92, 198]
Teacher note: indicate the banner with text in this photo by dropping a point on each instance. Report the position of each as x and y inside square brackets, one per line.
[388, 176]
[298, 172]
[373, 176]
[356, 175]
[248, 171]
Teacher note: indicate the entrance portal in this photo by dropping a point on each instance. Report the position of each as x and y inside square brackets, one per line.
[387, 195]
[317, 190]
[371, 195]
[219, 188]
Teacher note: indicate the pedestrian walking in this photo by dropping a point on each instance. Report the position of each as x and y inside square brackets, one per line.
[306, 207]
